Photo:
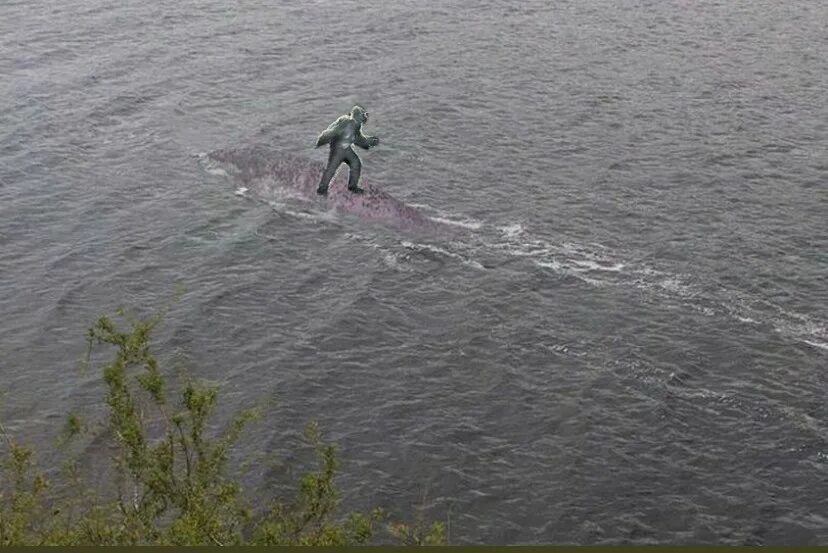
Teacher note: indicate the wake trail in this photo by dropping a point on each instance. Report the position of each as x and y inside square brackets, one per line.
[490, 246]
[287, 183]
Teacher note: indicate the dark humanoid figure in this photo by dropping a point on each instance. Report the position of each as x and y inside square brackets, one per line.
[341, 134]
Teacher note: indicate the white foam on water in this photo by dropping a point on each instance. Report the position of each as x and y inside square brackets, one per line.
[649, 271]
[814, 343]
[316, 217]
[389, 258]
[707, 311]
[675, 285]
[586, 261]
[568, 270]
[595, 266]
[574, 259]
[241, 191]
[518, 251]
[512, 231]
[791, 324]
[594, 282]
[393, 261]
[448, 218]
[216, 170]
[267, 188]
[468, 224]
[554, 265]
[704, 394]
[441, 251]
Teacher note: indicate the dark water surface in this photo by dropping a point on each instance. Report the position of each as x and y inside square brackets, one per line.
[624, 340]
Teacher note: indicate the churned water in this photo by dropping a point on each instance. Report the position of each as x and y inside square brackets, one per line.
[615, 332]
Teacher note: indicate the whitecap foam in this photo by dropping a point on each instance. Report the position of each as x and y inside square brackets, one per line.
[533, 253]
[465, 223]
[649, 271]
[316, 217]
[392, 261]
[554, 265]
[216, 170]
[441, 251]
[512, 231]
[746, 320]
[595, 266]
[675, 285]
[814, 343]
[448, 218]
[567, 270]
[521, 250]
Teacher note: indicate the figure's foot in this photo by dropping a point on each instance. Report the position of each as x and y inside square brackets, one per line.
[356, 189]
[322, 190]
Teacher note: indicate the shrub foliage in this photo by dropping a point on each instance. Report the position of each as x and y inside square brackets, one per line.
[171, 484]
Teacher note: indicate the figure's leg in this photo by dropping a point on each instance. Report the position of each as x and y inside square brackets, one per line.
[355, 166]
[334, 159]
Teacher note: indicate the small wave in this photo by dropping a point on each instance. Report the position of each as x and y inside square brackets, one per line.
[512, 231]
[676, 286]
[441, 251]
[389, 258]
[595, 266]
[468, 224]
[801, 327]
[447, 218]
[211, 166]
[216, 170]
[572, 257]
[554, 265]
[814, 343]
[568, 270]
[805, 330]
[600, 266]
[746, 320]
[520, 252]
[392, 261]
[317, 217]
[649, 271]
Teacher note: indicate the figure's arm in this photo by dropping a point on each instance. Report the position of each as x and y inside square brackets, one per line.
[365, 141]
[331, 132]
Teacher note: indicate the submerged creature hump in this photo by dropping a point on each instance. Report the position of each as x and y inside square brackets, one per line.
[266, 172]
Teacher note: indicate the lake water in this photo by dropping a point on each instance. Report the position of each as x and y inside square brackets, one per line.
[618, 332]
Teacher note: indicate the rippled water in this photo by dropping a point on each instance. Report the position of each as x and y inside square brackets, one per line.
[621, 334]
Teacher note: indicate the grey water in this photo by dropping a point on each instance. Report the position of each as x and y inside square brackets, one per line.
[624, 339]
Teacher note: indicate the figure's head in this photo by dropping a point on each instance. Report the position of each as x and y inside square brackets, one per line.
[359, 114]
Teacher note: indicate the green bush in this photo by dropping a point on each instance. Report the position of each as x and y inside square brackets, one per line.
[171, 482]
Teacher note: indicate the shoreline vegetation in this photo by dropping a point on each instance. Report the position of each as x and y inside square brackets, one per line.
[170, 483]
